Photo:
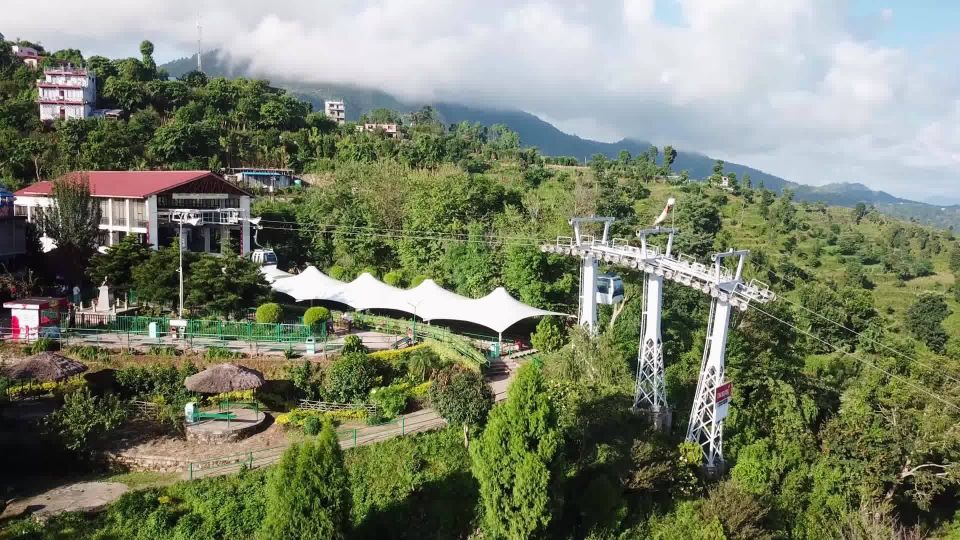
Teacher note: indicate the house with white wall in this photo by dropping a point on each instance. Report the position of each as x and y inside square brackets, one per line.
[66, 93]
[151, 204]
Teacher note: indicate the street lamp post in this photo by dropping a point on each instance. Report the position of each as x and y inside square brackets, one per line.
[193, 222]
[414, 319]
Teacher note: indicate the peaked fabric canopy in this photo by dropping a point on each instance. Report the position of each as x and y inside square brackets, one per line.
[271, 273]
[497, 311]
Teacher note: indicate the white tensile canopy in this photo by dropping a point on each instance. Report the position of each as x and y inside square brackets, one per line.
[428, 301]
[271, 273]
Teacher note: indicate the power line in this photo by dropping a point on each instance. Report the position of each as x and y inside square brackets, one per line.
[902, 379]
[407, 236]
[864, 337]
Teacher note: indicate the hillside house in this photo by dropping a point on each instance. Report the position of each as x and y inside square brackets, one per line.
[27, 55]
[151, 204]
[66, 93]
[390, 130]
[335, 110]
[261, 178]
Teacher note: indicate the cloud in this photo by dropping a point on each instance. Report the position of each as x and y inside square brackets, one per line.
[789, 86]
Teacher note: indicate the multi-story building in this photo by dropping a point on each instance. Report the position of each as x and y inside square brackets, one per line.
[261, 178]
[27, 55]
[152, 204]
[390, 130]
[67, 93]
[335, 110]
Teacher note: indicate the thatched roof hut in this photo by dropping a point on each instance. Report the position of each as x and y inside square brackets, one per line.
[45, 366]
[224, 378]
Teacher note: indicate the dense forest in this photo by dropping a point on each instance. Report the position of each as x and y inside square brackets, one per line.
[845, 400]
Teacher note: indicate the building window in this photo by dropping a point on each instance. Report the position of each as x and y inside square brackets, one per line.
[120, 212]
[139, 211]
[19, 210]
[104, 211]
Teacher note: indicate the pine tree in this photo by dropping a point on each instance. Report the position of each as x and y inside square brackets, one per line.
[517, 458]
[308, 495]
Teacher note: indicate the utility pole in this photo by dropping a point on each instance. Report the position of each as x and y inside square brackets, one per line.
[199, 45]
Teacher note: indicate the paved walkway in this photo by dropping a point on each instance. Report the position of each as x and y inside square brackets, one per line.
[80, 497]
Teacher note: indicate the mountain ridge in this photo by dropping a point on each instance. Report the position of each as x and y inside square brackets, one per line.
[552, 141]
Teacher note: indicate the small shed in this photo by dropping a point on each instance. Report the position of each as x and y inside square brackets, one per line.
[28, 316]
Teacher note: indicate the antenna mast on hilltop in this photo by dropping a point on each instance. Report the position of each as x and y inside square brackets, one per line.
[199, 46]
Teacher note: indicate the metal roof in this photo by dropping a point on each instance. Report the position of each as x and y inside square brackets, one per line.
[132, 184]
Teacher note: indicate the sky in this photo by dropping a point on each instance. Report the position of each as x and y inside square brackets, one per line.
[815, 91]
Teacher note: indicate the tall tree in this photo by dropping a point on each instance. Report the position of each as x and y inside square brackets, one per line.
[517, 459]
[115, 267]
[72, 221]
[225, 285]
[461, 396]
[308, 494]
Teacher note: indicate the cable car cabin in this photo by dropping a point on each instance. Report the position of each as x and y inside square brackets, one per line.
[609, 289]
[264, 257]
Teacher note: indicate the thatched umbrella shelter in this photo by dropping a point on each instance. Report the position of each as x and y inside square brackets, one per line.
[224, 378]
[45, 366]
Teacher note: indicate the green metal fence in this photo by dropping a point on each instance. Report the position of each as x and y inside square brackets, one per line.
[196, 328]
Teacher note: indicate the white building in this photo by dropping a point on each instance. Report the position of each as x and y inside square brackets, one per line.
[27, 55]
[150, 204]
[390, 130]
[335, 110]
[67, 93]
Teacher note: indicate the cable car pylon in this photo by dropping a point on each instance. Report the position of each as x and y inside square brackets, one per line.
[727, 289]
[650, 394]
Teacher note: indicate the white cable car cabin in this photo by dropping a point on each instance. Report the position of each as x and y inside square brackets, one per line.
[609, 289]
[264, 257]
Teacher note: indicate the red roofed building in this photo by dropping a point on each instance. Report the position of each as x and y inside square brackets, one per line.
[151, 204]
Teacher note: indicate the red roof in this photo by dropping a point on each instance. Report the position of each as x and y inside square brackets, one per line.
[133, 184]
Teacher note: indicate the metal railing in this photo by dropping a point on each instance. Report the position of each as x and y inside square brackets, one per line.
[348, 438]
[332, 406]
[464, 345]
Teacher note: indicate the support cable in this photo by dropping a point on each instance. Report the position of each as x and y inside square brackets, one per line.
[902, 379]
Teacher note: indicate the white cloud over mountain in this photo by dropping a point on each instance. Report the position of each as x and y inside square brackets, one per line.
[795, 87]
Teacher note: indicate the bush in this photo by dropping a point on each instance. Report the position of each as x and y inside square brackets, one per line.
[88, 353]
[163, 350]
[461, 397]
[393, 278]
[41, 345]
[298, 418]
[270, 312]
[549, 335]
[338, 272]
[351, 378]
[312, 425]
[418, 279]
[353, 344]
[84, 417]
[370, 270]
[392, 399]
[315, 315]
[36, 388]
[221, 353]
